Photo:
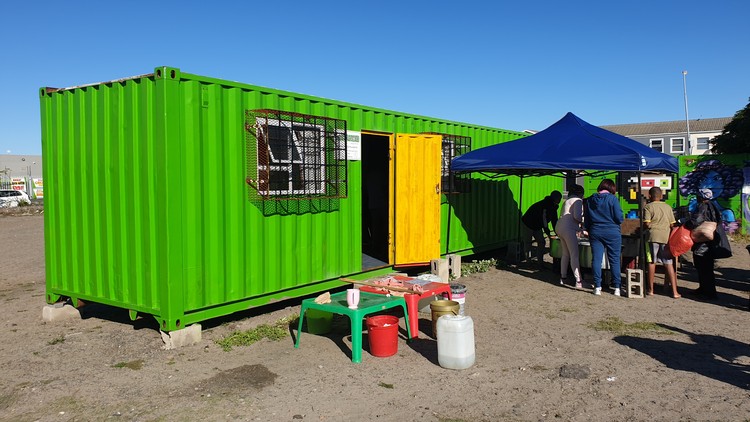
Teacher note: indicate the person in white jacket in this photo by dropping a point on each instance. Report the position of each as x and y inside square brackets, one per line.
[567, 228]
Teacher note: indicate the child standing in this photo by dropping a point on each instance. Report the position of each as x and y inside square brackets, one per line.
[659, 218]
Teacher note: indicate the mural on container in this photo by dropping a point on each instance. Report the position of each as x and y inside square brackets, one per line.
[726, 177]
[628, 190]
[648, 181]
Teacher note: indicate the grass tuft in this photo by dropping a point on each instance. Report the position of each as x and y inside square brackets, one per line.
[134, 365]
[57, 340]
[274, 332]
[566, 309]
[617, 326]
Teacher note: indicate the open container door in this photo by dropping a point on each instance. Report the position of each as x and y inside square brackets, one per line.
[416, 206]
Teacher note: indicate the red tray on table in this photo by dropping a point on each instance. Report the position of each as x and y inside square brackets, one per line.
[429, 289]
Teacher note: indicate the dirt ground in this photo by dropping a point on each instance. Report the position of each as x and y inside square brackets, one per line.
[539, 357]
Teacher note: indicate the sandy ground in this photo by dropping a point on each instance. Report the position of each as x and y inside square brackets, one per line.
[538, 357]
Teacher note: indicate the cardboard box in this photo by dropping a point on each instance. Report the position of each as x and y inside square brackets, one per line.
[630, 227]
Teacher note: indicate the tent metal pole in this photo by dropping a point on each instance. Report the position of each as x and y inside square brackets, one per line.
[448, 229]
[520, 214]
[642, 245]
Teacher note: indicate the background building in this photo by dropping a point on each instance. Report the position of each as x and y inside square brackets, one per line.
[669, 137]
[20, 166]
[22, 172]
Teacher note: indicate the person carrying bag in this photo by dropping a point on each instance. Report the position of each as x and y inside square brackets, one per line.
[720, 247]
[706, 251]
[704, 232]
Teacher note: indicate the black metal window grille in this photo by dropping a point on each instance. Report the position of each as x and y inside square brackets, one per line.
[453, 146]
[295, 156]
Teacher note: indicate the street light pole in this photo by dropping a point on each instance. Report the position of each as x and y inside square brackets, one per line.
[687, 120]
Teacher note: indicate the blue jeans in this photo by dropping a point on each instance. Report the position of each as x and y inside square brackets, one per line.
[611, 240]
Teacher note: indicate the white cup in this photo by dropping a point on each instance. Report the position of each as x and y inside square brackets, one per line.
[352, 298]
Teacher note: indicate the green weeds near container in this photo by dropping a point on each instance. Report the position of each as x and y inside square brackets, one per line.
[275, 332]
[475, 266]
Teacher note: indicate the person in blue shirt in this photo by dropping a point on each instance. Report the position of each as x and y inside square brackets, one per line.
[602, 219]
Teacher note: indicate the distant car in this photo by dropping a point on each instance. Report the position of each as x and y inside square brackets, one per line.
[13, 198]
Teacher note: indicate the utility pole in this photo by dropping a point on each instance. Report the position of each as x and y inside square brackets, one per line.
[687, 119]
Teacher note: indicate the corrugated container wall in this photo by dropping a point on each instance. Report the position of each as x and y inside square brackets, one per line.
[147, 206]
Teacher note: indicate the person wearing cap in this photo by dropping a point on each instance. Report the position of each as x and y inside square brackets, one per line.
[602, 220]
[702, 258]
[567, 228]
[537, 221]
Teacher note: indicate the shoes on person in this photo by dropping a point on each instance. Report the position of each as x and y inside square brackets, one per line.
[579, 285]
[562, 282]
[617, 292]
[700, 294]
[598, 291]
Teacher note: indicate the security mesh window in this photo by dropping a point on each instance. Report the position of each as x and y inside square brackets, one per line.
[701, 144]
[656, 144]
[295, 156]
[453, 146]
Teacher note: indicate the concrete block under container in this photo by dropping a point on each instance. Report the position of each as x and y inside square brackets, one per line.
[454, 265]
[439, 267]
[183, 337]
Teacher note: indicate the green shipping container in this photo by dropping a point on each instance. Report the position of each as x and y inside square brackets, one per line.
[187, 197]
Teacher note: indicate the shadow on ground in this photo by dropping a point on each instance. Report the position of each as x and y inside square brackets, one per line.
[712, 356]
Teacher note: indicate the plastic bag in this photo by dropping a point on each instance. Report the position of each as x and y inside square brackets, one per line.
[722, 248]
[679, 241]
[704, 232]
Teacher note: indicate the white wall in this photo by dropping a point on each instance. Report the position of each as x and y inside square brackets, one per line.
[20, 166]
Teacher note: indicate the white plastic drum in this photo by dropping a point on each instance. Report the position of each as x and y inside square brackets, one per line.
[455, 341]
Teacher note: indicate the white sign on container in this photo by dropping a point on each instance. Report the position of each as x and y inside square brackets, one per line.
[353, 145]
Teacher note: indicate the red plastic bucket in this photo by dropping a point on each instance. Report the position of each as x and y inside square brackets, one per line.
[382, 333]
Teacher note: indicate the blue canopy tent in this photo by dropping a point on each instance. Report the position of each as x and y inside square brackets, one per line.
[570, 146]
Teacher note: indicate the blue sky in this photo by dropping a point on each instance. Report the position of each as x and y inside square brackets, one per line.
[514, 65]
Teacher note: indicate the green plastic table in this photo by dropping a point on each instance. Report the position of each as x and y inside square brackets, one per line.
[369, 303]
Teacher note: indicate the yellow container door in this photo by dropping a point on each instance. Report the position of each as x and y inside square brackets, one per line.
[416, 206]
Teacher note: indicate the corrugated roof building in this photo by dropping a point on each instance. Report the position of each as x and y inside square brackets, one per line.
[669, 137]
